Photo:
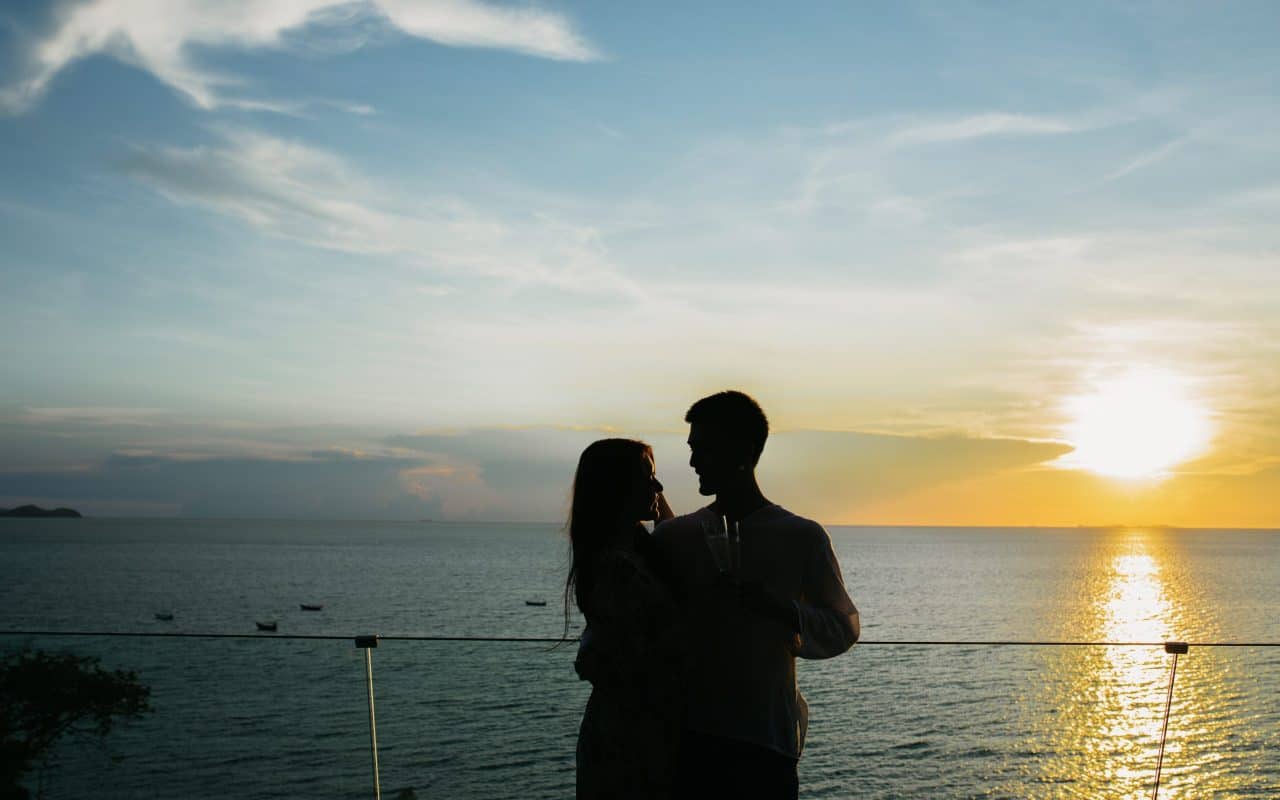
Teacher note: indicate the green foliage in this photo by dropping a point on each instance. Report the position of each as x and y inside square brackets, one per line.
[46, 696]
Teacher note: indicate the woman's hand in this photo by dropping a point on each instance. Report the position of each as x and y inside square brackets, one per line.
[664, 509]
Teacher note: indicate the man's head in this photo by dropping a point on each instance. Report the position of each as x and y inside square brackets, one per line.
[727, 431]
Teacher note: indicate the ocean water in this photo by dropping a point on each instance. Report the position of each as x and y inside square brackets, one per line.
[287, 719]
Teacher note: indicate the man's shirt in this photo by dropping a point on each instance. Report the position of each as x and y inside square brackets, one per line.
[742, 678]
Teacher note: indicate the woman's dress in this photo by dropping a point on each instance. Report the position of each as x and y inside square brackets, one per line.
[629, 736]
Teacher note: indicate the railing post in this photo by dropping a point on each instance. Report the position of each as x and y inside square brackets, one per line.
[367, 643]
[1176, 649]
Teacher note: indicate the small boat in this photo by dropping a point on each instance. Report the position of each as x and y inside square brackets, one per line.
[164, 616]
[266, 626]
[312, 606]
[535, 602]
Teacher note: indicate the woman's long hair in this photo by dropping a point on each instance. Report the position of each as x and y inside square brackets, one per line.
[606, 472]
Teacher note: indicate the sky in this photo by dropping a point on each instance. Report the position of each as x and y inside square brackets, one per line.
[981, 263]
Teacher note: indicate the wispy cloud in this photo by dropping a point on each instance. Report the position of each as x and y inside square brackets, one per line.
[295, 191]
[861, 163]
[1150, 157]
[159, 36]
[980, 126]
[467, 23]
[300, 108]
[1027, 254]
[895, 131]
[282, 187]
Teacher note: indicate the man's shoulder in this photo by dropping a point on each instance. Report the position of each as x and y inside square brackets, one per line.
[683, 525]
[804, 535]
[802, 528]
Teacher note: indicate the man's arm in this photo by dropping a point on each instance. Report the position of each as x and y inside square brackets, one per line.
[829, 623]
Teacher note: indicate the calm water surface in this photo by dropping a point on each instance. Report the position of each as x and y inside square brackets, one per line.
[272, 718]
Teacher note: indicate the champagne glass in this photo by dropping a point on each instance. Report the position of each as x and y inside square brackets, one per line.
[717, 536]
[735, 545]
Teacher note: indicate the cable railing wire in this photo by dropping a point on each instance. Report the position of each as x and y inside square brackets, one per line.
[415, 637]
[367, 642]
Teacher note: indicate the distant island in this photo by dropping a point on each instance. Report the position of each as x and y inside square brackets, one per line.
[37, 511]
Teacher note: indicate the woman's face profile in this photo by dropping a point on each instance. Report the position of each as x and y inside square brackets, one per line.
[642, 500]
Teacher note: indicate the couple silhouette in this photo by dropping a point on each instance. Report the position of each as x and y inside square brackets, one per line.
[693, 631]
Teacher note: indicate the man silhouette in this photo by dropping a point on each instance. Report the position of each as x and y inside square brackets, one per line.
[750, 617]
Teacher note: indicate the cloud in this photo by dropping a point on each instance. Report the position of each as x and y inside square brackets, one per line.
[294, 191]
[524, 474]
[826, 474]
[834, 475]
[874, 166]
[891, 170]
[91, 460]
[516, 474]
[1150, 157]
[495, 473]
[314, 486]
[104, 415]
[1133, 267]
[1026, 256]
[285, 188]
[162, 36]
[981, 126]
[301, 108]
[465, 23]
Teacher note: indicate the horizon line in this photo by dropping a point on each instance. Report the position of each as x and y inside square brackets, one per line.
[561, 523]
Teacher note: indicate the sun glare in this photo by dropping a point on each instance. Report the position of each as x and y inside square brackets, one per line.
[1136, 426]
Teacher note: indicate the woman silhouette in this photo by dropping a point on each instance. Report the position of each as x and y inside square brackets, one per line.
[628, 740]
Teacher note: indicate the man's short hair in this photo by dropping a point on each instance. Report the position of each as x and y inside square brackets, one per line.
[735, 415]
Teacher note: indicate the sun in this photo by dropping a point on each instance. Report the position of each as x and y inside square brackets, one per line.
[1137, 425]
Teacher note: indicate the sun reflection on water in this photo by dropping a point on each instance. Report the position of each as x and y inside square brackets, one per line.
[1136, 609]
[1106, 704]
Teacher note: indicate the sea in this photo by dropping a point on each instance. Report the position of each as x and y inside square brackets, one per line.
[266, 717]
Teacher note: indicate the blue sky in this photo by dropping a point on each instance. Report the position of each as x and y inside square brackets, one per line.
[299, 234]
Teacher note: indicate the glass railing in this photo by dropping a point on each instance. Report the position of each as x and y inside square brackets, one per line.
[281, 716]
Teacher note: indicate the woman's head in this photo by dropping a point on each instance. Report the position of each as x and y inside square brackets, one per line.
[614, 485]
[614, 489]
